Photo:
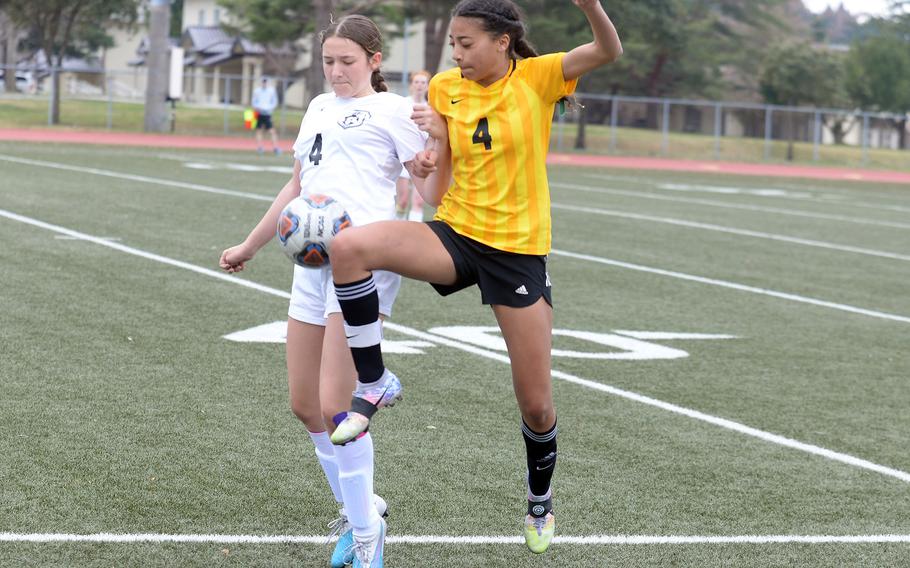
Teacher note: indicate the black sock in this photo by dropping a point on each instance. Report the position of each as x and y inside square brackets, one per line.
[541, 452]
[359, 303]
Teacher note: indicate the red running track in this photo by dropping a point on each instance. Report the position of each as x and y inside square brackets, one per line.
[581, 160]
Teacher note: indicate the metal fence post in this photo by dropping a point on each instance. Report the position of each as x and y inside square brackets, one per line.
[284, 98]
[227, 87]
[665, 129]
[614, 105]
[718, 116]
[865, 137]
[109, 81]
[769, 112]
[53, 93]
[817, 137]
[560, 121]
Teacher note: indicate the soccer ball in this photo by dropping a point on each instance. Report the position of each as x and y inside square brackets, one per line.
[307, 226]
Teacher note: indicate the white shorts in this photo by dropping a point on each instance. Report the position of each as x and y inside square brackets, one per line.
[313, 294]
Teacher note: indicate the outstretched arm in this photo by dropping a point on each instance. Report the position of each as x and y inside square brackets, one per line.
[234, 259]
[605, 48]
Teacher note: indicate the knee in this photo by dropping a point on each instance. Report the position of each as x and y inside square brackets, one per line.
[345, 248]
[539, 416]
[311, 417]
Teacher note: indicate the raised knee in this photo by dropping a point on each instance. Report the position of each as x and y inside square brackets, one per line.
[539, 417]
[344, 247]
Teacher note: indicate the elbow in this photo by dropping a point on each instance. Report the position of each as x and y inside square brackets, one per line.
[612, 55]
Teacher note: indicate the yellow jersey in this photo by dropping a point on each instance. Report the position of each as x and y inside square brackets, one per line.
[499, 136]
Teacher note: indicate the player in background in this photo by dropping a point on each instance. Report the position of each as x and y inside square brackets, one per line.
[351, 146]
[410, 204]
[492, 226]
[265, 101]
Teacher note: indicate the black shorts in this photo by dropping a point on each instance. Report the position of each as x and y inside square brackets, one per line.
[264, 121]
[504, 278]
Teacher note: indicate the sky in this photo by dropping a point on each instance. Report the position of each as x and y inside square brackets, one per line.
[872, 7]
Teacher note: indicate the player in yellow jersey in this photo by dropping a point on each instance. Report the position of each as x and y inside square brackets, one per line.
[490, 122]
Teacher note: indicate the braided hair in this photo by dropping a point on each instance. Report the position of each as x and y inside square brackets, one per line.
[499, 17]
[364, 32]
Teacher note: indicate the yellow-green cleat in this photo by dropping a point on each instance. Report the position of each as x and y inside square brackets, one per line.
[539, 532]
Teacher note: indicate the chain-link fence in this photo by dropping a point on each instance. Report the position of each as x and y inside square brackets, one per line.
[681, 128]
[214, 104]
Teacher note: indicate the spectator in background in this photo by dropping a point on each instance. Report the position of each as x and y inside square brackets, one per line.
[409, 203]
[265, 100]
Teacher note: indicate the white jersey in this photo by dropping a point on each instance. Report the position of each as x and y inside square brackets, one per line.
[352, 149]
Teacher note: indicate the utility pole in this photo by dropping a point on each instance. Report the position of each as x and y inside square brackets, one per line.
[157, 116]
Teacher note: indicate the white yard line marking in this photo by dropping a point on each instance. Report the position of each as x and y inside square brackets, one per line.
[141, 179]
[826, 191]
[722, 422]
[742, 207]
[732, 231]
[735, 286]
[156, 538]
[246, 195]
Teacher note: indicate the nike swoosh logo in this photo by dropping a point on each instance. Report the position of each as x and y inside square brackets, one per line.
[543, 468]
[456, 101]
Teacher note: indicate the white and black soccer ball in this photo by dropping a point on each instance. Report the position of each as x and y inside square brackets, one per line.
[307, 226]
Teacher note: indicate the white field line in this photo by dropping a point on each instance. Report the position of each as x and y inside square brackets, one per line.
[820, 191]
[246, 195]
[732, 231]
[155, 538]
[141, 179]
[735, 286]
[742, 207]
[722, 422]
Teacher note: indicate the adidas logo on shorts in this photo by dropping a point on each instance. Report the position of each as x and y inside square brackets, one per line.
[521, 290]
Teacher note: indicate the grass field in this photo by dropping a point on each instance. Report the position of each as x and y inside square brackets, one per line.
[731, 377]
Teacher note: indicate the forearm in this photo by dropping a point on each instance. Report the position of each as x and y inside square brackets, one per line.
[266, 227]
[606, 39]
[438, 182]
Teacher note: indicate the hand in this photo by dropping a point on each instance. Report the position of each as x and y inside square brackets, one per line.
[234, 259]
[430, 121]
[424, 163]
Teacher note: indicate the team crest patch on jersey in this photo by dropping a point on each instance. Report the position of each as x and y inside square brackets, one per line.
[354, 119]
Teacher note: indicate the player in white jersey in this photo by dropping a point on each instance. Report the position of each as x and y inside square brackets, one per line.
[352, 144]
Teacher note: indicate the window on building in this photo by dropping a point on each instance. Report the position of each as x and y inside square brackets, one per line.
[217, 21]
[201, 17]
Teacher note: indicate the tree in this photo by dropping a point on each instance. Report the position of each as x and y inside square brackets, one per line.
[276, 23]
[878, 76]
[796, 74]
[156, 114]
[69, 28]
[8, 41]
[435, 15]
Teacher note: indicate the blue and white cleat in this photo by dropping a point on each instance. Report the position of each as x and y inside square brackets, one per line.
[343, 555]
[368, 398]
[368, 553]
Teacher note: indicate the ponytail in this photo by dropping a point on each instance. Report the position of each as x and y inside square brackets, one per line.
[378, 82]
[524, 49]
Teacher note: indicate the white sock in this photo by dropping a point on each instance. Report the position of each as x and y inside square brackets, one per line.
[415, 215]
[355, 475]
[325, 453]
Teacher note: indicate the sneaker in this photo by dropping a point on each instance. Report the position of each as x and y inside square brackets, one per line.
[539, 532]
[367, 400]
[343, 555]
[368, 553]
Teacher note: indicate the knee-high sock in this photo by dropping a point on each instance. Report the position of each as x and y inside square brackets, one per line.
[359, 303]
[355, 475]
[541, 452]
[325, 453]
